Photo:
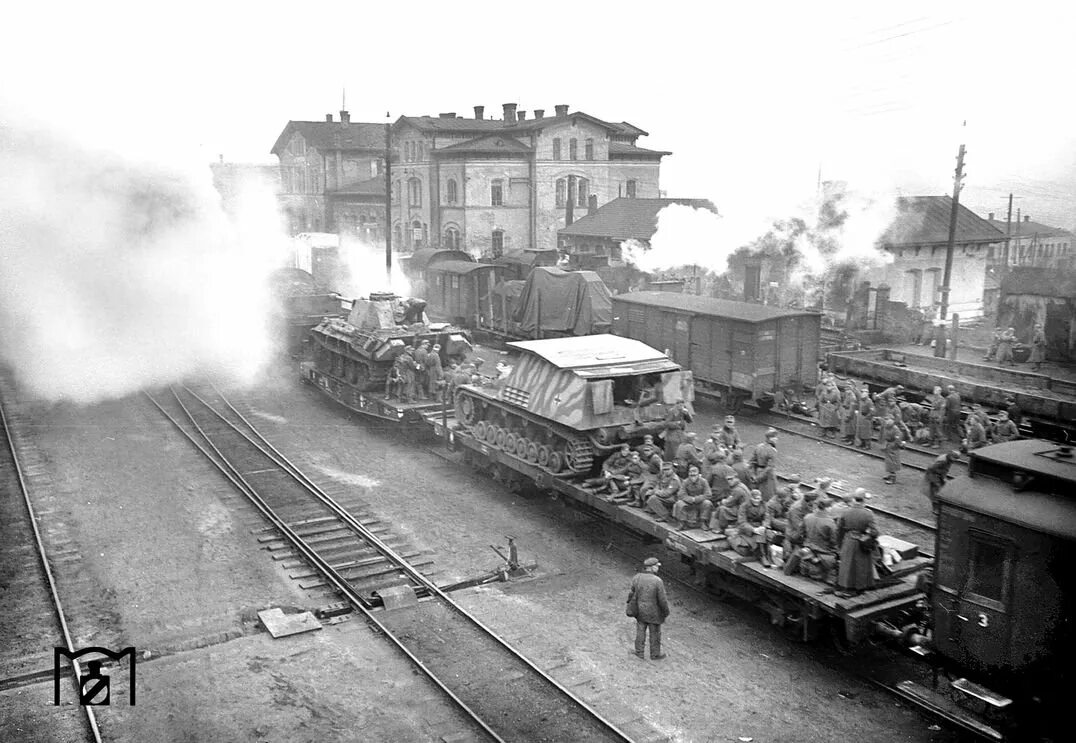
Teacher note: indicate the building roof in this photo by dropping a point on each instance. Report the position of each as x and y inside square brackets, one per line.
[611, 351]
[495, 143]
[460, 124]
[369, 187]
[923, 220]
[334, 135]
[1027, 228]
[625, 219]
[458, 267]
[1042, 282]
[696, 305]
[418, 260]
[629, 150]
[625, 127]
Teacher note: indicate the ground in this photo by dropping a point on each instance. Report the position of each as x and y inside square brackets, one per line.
[169, 549]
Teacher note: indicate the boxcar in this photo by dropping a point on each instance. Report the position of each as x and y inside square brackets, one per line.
[459, 292]
[736, 349]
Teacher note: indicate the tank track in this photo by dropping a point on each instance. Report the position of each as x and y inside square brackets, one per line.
[541, 443]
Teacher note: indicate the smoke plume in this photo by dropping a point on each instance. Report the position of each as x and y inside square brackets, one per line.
[120, 275]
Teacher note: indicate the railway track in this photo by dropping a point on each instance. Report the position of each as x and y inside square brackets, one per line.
[33, 622]
[505, 695]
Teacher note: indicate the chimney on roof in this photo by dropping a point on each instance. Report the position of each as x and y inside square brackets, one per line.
[592, 204]
[990, 216]
[328, 117]
[521, 116]
[478, 112]
[449, 115]
[561, 109]
[509, 113]
[345, 117]
[539, 113]
[1027, 218]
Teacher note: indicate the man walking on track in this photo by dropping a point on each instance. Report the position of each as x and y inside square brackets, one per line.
[649, 605]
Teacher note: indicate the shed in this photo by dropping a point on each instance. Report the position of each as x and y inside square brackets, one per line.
[458, 291]
[737, 349]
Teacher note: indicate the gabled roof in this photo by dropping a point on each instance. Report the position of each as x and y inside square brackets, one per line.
[623, 127]
[334, 135]
[490, 143]
[1027, 228]
[625, 219]
[578, 352]
[459, 124]
[370, 187]
[623, 150]
[924, 220]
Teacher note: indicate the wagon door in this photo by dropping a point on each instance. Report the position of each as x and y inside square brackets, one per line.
[974, 614]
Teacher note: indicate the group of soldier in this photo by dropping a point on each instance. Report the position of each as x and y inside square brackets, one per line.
[718, 490]
[416, 373]
[1001, 348]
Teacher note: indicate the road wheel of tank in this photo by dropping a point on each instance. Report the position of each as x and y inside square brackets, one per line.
[491, 434]
[502, 438]
[510, 442]
[480, 429]
[543, 455]
[532, 452]
[521, 447]
[556, 461]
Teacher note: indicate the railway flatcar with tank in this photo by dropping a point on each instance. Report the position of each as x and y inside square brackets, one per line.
[737, 350]
[350, 360]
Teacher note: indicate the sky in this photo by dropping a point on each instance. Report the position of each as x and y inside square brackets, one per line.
[754, 102]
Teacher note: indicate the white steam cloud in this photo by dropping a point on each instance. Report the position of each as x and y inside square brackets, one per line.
[365, 270]
[119, 276]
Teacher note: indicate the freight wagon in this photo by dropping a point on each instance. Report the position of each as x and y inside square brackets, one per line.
[737, 350]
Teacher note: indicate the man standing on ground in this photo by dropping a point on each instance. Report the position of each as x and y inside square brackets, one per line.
[952, 414]
[936, 474]
[648, 603]
[1038, 347]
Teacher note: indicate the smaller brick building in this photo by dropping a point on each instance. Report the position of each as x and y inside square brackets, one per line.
[1032, 295]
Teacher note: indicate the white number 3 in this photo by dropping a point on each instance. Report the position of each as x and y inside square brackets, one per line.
[984, 621]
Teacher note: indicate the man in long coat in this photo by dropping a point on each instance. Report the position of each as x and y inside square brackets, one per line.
[892, 443]
[649, 604]
[764, 465]
[435, 373]
[864, 422]
[828, 404]
[676, 421]
[1005, 343]
[856, 568]
[952, 413]
[847, 414]
[1038, 347]
[936, 417]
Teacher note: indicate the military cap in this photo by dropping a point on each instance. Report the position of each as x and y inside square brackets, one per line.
[651, 562]
[770, 433]
[860, 494]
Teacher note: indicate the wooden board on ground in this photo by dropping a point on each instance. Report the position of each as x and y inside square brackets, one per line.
[280, 624]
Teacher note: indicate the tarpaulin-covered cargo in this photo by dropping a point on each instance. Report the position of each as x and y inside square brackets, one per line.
[561, 302]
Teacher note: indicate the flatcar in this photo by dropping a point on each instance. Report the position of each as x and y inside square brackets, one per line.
[737, 350]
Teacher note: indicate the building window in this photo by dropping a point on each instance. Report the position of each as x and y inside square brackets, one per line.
[496, 193]
[631, 189]
[588, 149]
[556, 148]
[414, 192]
[450, 191]
[395, 192]
[498, 243]
[573, 149]
[562, 191]
[452, 238]
[582, 188]
[397, 234]
[418, 234]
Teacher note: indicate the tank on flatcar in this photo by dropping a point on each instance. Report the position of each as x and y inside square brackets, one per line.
[739, 350]
[1003, 601]
[566, 401]
[360, 350]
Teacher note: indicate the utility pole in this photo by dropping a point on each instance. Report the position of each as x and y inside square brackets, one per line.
[1008, 233]
[388, 199]
[948, 275]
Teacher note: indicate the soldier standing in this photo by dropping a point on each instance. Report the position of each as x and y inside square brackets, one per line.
[864, 422]
[936, 474]
[828, 406]
[1038, 347]
[422, 350]
[676, 421]
[892, 443]
[649, 604]
[764, 465]
[936, 417]
[952, 414]
[855, 529]
[435, 374]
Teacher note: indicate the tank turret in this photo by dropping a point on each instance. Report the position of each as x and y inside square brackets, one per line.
[360, 350]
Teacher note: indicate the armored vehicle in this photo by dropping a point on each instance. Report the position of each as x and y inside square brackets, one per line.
[360, 351]
[566, 401]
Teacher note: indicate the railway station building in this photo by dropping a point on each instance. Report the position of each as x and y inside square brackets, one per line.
[490, 186]
[332, 177]
[1034, 244]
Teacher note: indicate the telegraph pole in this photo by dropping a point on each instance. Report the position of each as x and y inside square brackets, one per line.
[1008, 233]
[388, 199]
[947, 276]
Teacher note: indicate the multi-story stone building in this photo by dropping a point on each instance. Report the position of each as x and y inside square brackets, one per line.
[332, 177]
[488, 186]
[1033, 243]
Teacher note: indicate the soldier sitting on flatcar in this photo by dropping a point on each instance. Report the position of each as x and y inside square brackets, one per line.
[750, 536]
[693, 505]
[1005, 430]
[650, 453]
[615, 469]
[392, 383]
[728, 510]
[976, 434]
[795, 532]
[719, 472]
[818, 556]
[728, 436]
[776, 521]
[661, 495]
[687, 455]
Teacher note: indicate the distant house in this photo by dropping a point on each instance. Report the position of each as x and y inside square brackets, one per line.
[594, 240]
[917, 240]
[332, 177]
[1034, 244]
